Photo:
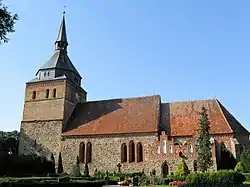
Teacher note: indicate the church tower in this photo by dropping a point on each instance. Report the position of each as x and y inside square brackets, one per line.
[49, 101]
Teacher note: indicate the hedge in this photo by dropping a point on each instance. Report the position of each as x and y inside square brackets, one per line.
[247, 176]
[25, 165]
[89, 184]
[219, 178]
[15, 182]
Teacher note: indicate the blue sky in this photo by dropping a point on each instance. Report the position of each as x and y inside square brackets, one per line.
[181, 50]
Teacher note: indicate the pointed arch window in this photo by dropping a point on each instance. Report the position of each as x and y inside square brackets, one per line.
[131, 151]
[158, 151]
[164, 147]
[170, 148]
[89, 153]
[81, 152]
[190, 146]
[124, 153]
[34, 95]
[47, 93]
[139, 152]
[54, 92]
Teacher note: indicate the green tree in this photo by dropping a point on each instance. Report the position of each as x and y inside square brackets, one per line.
[240, 167]
[60, 165]
[203, 145]
[9, 142]
[7, 22]
[182, 169]
[245, 160]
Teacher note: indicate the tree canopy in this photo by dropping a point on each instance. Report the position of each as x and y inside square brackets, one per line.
[9, 141]
[7, 22]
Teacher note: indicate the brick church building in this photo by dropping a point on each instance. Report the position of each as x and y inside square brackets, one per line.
[141, 133]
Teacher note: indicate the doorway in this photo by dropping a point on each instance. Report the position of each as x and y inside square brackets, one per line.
[165, 170]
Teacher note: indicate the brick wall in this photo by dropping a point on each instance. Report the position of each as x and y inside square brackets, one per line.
[42, 108]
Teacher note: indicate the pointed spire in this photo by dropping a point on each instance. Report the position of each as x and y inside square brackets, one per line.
[61, 42]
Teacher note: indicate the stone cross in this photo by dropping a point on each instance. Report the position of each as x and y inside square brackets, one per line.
[119, 167]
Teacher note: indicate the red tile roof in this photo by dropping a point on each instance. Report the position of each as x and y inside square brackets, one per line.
[181, 118]
[116, 116]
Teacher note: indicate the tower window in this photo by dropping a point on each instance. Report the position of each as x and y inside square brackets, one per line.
[54, 92]
[47, 93]
[48, 73]
[44, 74]
[34, 95]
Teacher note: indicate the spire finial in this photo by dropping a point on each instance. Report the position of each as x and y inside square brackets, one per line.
[64, 10]
[61, 42]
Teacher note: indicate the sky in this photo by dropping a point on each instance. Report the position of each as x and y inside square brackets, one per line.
[181, 50]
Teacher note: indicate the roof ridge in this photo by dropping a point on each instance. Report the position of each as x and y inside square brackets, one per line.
[188, 101]
[125, 98]
[224, 117]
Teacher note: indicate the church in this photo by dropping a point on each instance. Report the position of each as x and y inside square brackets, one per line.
[126, 134]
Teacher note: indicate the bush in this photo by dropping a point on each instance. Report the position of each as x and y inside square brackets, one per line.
[25, 165]
[240, 167]
[145, 180]
[172, 178]
[247, 176]
[245, 160]
[53, 184]
[182, 169]
[133, 174]
[223, 177]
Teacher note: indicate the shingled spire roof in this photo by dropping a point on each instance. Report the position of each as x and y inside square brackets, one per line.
[59, 65]
[62, 36]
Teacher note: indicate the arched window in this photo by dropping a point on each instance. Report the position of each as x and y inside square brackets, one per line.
[170, 148]
[180, 154]
[139, 152]
[195, 166]
[54, 92]
[190, 147]
[81, 152]
[47, 93]
[131, 151]
[158, 151]
[34, 95]
[88, 152]
[164, 147]
[124, 153]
